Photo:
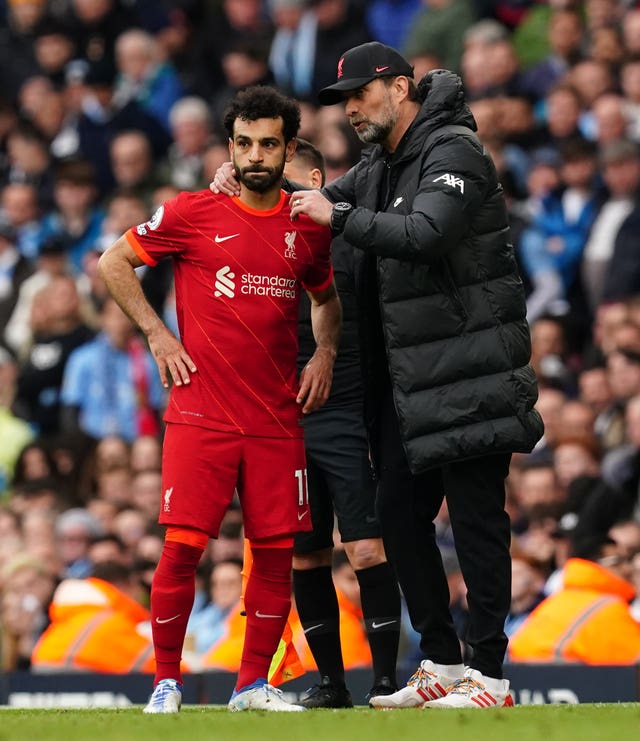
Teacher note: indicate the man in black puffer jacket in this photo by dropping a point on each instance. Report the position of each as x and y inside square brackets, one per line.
[445, 345]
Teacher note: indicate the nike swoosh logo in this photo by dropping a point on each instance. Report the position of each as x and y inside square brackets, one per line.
[382, 69]
[260, 615]
[302, 515]
[313, 627]
[167, 620]
[219, 239]
[375, 625]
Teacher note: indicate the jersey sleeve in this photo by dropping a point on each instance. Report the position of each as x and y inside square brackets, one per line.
[320, 271]
[165, 234]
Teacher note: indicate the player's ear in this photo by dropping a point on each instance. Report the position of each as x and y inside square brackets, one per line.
[290, 150]
[231, 147]
[315, 178]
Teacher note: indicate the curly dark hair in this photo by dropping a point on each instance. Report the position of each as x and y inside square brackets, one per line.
[262, 101]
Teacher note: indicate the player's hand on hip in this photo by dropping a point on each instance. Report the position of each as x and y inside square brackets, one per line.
[313, 204]
[315, 381]
[224, 181]
[172, 359]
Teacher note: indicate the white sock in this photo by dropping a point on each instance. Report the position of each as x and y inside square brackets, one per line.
[455, 671]
[492, 683]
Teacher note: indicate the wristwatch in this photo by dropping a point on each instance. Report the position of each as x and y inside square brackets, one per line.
[339, 215]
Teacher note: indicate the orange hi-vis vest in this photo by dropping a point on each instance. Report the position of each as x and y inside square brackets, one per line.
[587, 621]
[353, 638]
[226, 652]
[94, 627]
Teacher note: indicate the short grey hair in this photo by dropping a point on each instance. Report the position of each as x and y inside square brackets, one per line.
[79, 517]
[189, 108]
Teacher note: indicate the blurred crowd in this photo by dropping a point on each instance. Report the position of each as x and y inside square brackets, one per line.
[110, 107]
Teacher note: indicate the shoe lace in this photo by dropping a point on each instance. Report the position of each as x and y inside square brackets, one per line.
[421, 677]
[270, 690]
[465, 686]
[163, 689]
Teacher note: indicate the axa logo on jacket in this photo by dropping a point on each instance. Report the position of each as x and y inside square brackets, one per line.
[452, 181]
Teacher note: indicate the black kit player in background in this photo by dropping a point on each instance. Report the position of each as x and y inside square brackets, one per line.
[340, 481]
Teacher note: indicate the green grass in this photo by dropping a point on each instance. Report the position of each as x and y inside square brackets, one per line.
[528, 723]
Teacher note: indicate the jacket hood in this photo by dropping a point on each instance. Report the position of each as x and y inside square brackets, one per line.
[582, 574]
[443, 103]
[443, 100]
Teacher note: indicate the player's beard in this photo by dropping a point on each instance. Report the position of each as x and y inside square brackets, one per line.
[262, 183]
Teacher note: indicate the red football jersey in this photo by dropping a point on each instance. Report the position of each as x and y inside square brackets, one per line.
[238, 277]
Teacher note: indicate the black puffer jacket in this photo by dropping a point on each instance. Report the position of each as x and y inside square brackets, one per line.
[451, 300]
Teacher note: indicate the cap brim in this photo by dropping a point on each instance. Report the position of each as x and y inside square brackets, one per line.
[335, 93]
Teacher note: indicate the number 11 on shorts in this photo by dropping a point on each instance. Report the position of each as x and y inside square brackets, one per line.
[303, 493]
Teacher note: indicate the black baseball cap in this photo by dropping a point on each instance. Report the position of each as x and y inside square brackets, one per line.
[360, 65]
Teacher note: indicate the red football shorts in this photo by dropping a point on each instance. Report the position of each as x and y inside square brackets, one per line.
[202, 468]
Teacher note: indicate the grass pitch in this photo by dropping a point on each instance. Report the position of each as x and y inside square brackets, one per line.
[195, 723]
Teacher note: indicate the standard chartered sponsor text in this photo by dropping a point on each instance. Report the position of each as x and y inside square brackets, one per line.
[268, 285]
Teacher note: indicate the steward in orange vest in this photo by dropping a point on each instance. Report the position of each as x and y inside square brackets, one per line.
[588, 620]
[226, 652]
[95, 626]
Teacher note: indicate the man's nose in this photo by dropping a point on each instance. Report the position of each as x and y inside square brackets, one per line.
[256, 153]
[350, 107]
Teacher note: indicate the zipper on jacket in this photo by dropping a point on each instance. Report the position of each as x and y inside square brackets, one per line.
[455, 294]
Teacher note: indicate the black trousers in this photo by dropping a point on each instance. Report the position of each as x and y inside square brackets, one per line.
[407, 506]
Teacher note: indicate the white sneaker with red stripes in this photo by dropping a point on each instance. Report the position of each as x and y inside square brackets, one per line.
[475, 690]
[429, 682]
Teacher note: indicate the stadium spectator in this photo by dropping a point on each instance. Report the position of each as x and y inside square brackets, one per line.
[102, 116]
[146, 454]
[26, 588]
[95, 626]
[243, 66]
[210, 626]
[132, 164]
[15, 270]
[309, 37]
[17, 60]
[76, 218]
[15, 433]
[439, 29]
[20, 207]
[565, 35]
[190, 122]
[551, 248]
[621, 172]
[144, 76]
[57, 330]
[527, 585]
[75, 529]
[110, 386]
[588, 621]
[390, 20]
[29, 162]
[146, 493]
[95, 26]
[109, 548]
[54, 47]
